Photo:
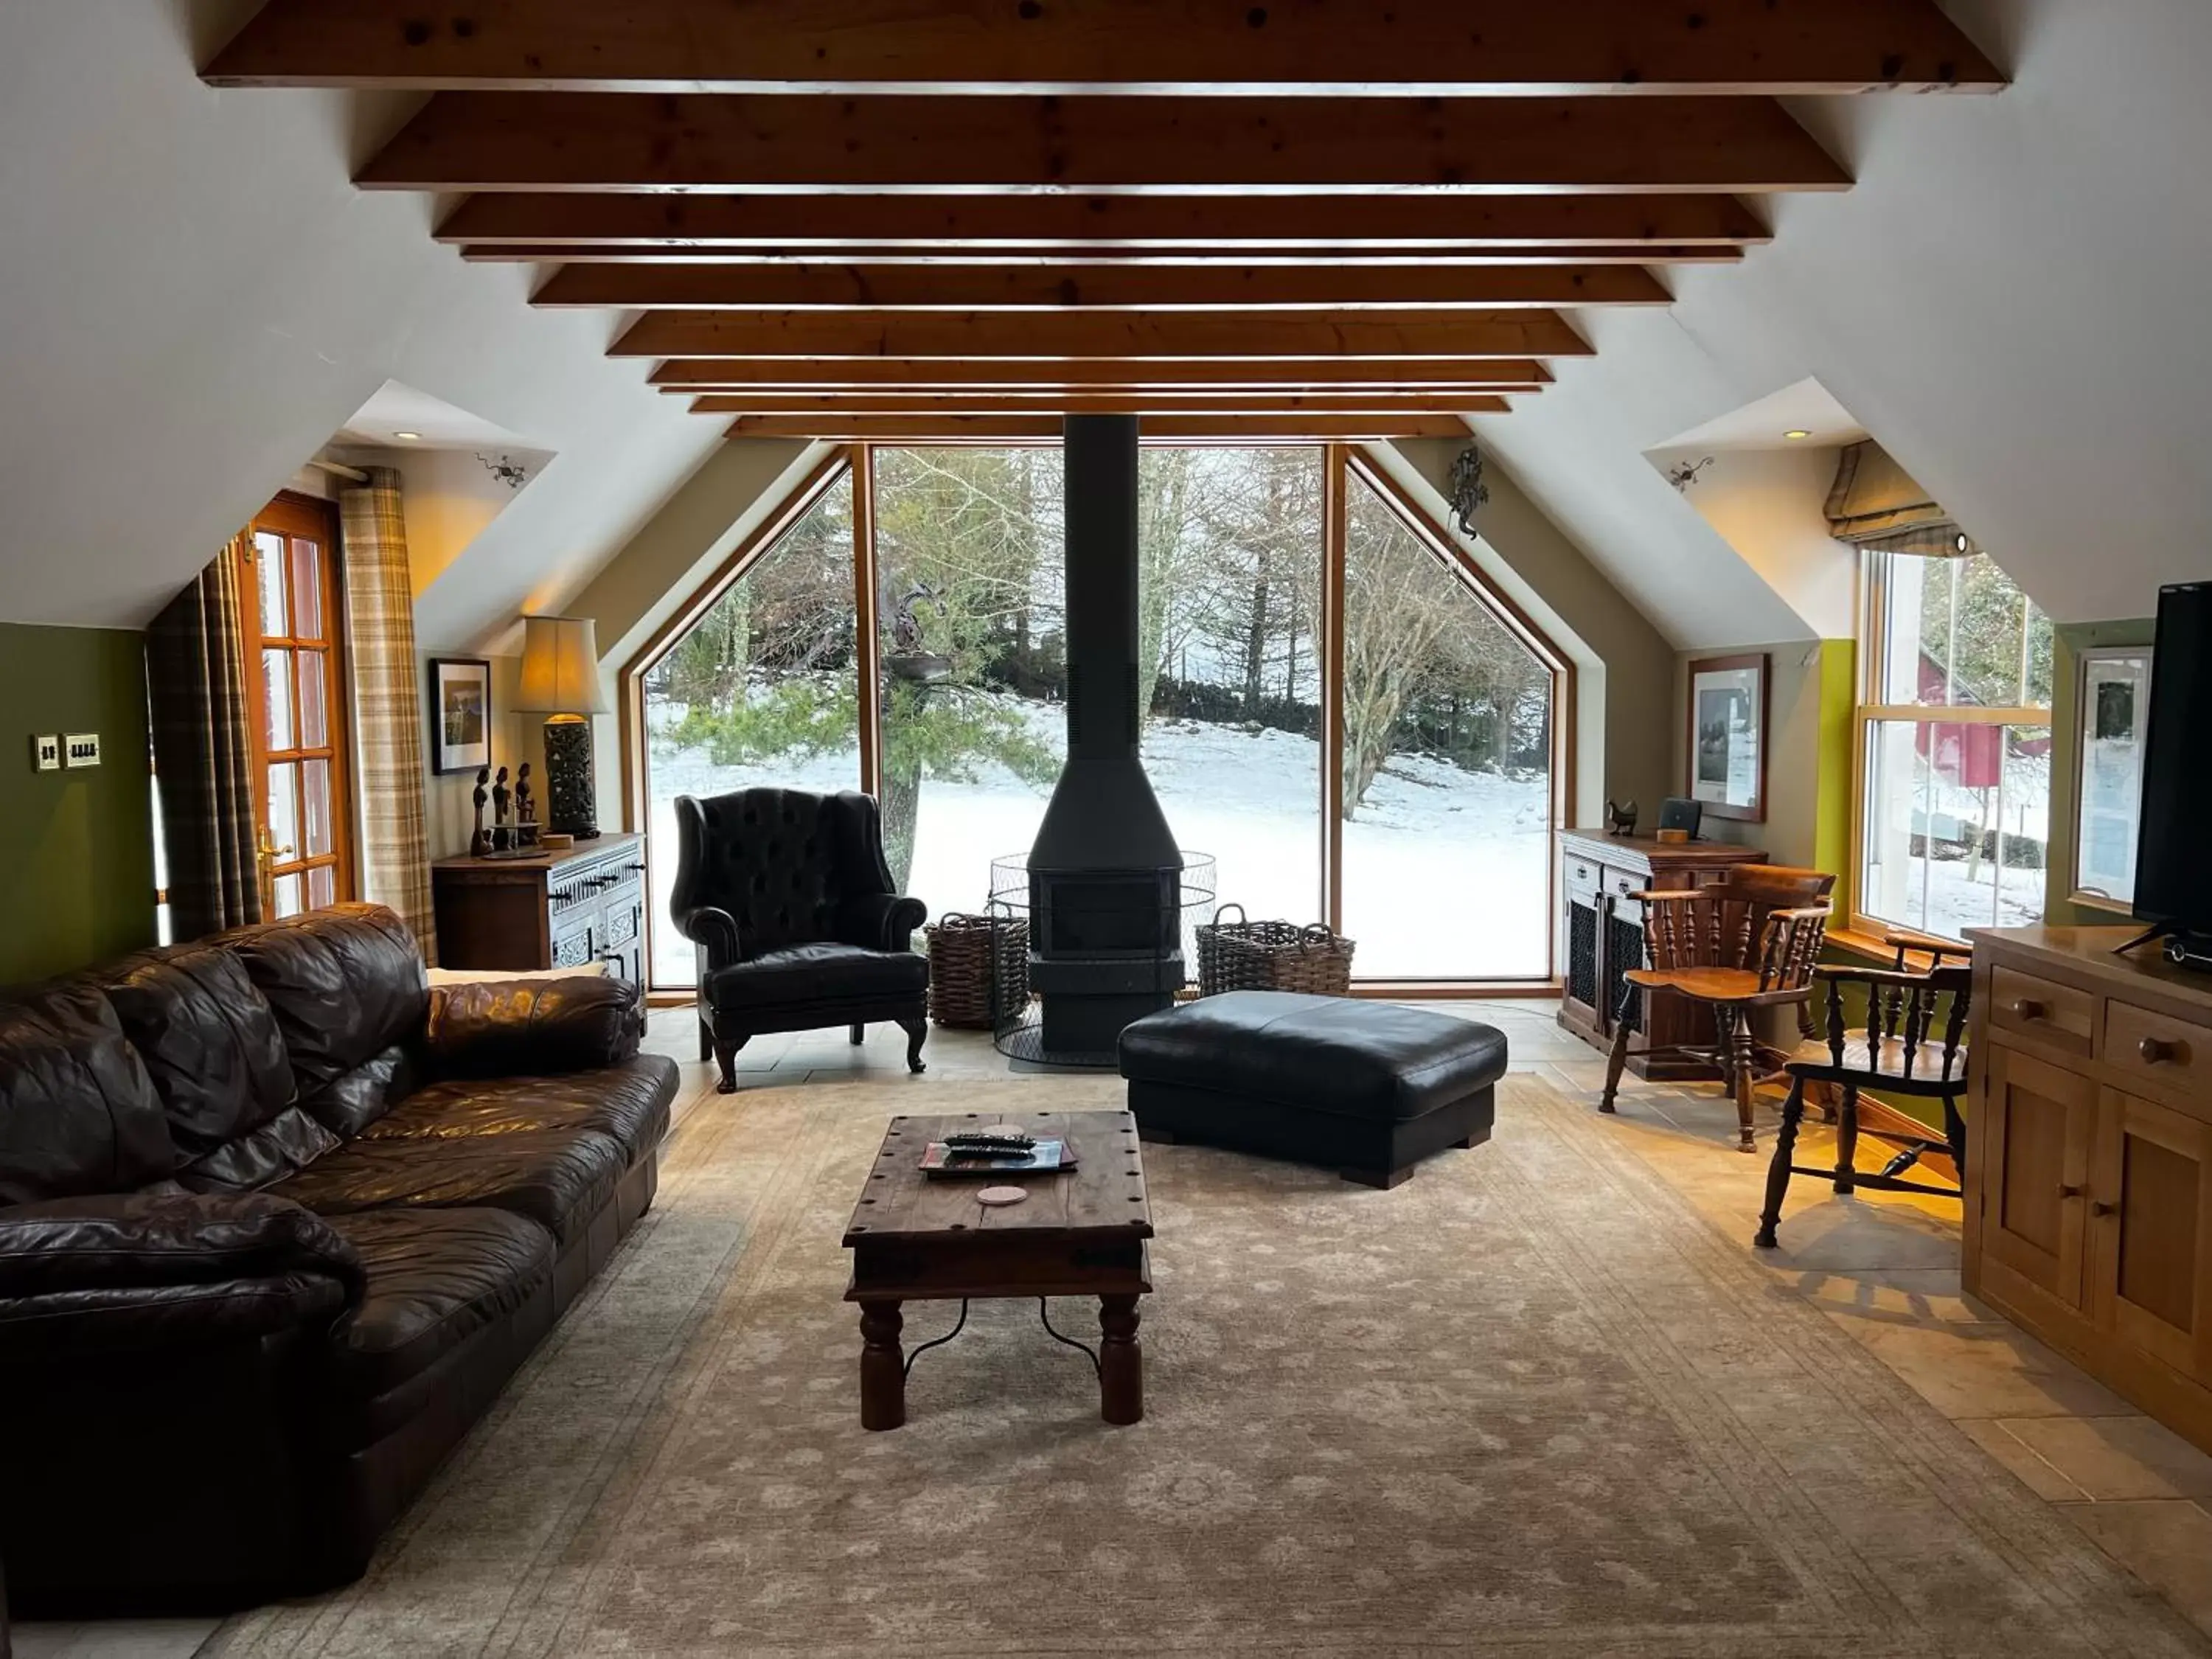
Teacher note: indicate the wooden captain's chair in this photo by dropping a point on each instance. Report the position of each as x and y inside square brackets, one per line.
[1913, 1044]
[1743, 943]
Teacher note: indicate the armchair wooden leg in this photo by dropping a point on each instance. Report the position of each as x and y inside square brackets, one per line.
[917, 1031]
[706, 1039]
[1847, 1140]
[1778, 1172]
[725, 1056]
[858, 1035]
[1617, 1060]
[1742, 1061]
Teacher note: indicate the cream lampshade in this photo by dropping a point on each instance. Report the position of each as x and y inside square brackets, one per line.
[560, 680]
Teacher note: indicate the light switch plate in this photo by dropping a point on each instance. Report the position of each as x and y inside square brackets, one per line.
[46, 752]
[80, 749]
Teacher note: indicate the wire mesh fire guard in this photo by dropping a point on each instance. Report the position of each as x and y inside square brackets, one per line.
[1016, 1021]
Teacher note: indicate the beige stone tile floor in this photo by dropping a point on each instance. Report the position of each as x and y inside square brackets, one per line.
[1884, 1268]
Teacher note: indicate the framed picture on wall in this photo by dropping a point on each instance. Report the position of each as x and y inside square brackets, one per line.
[1727, 736]
[2108, 801]
[461, 713]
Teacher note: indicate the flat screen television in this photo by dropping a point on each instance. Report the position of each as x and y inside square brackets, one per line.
[2173, 855]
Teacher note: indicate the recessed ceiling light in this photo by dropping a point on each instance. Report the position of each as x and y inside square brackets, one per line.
[1797, 435]
[407, 437]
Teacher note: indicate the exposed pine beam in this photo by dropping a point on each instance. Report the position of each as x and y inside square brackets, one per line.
[1149, 288]
[1159, 428]
[491, 141]
[1056, 223]
[1064, 402]
[910, 253]
[1331, 47]
[1060, 336]
[687, 375]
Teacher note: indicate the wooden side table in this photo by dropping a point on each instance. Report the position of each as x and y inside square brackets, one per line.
[553, 910]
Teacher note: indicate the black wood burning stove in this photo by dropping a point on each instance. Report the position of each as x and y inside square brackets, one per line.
[1105, 874]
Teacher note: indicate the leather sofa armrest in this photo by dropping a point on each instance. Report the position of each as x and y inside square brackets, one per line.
[533, 1027]
[157, 1242]
[881, 921]
[715, 933]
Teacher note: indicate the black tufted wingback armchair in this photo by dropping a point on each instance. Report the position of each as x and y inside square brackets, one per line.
[788, 900]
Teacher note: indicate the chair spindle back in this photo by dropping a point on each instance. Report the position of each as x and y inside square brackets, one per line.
[1907, 1007]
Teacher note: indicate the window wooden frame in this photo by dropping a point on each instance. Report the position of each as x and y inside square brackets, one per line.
[296, 517]
[1870, 711]
[1344, 466]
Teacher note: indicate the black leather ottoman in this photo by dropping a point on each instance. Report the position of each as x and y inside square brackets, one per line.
[1368, 1088]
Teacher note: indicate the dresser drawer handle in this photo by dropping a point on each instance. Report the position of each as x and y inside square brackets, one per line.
[2029, 1008]
[2101, 1208]
[2071, 1191]
[2157, 1052]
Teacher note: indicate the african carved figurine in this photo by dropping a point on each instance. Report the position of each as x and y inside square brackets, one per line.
[480, 842]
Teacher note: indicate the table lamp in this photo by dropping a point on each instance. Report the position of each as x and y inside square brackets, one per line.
[561, 681]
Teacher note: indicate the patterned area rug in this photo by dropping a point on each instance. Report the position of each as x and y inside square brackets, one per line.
[1528, 1403]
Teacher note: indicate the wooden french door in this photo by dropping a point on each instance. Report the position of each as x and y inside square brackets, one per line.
[295, 670]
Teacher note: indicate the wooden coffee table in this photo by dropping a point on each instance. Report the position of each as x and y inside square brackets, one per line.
[1082, 1233]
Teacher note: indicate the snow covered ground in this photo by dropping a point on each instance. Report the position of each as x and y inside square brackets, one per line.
[1939, 898]
[1446, 871]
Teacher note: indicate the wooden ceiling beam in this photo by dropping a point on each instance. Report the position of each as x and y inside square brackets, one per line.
[1064, 336]
[1326, 47]
[494, 141]
[1158, 429]
[1048, 224]
[661, 254]
[1063, 403]
[1148, 288]
[686, 375]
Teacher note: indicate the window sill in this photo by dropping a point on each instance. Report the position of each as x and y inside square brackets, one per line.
[1870, 947]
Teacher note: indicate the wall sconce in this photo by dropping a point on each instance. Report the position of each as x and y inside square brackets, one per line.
[507, 470]
[1683, 474]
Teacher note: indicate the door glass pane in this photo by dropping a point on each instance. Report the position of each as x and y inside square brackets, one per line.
[322, 886]
[306, 589]
[1447, 766]
[290, 899]
[315, 794]
[763, 689]
[276, 697]
[315, 689]
[1958, 819]
[1228, 603]
[284, 810]
[969, 549]
[269, 568]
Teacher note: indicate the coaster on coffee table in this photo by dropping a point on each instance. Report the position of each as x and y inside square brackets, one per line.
[998, 1197]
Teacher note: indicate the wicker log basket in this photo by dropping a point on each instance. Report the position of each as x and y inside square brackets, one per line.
[963, 993]
[1271, 956]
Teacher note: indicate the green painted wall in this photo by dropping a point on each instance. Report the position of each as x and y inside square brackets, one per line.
[2071, 640]
[77, 847]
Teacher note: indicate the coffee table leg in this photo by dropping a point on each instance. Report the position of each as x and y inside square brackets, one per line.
[1121, 1361]
[883, 1366]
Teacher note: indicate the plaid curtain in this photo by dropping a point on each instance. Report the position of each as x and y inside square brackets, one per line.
[388, 700]
[204, 753]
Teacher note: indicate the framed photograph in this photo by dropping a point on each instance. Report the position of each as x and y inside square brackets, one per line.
[461, 713]
[1727, 737]
[2108, 784]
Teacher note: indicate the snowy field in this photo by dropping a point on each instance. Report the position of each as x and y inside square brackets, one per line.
[1446, 871]
[1939, 898]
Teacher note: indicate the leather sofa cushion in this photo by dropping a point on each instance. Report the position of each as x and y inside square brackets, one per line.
[79, 1112]
[559, 1178]
[818, 972]
[291, 1141]
[436, 1279]
[209, 1040]
[533, 1027]
[353, 1100]
[629, 1104]
[1372, 1059]
[346, 984]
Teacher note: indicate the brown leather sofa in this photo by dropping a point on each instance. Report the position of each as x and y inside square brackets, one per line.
[277, 1223]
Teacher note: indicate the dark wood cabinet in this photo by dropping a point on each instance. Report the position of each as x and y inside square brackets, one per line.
[556, 910]
[1602, 933]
